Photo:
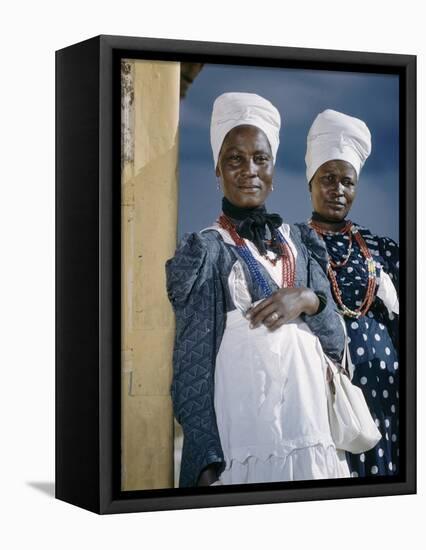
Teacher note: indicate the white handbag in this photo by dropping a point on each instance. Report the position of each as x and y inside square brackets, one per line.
[352, 426]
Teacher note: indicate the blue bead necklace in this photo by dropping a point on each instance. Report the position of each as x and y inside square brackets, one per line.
[286, 257]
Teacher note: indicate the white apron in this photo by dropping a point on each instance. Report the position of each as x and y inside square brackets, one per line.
[270, 399]
[271, 407]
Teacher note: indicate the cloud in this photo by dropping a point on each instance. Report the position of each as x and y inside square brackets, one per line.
[377, 204]
[299, 95]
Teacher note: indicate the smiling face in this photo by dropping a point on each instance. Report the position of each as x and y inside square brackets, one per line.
[245, 166]
[333, 189]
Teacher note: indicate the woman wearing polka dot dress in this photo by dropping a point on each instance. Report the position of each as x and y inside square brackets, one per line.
[363, 272]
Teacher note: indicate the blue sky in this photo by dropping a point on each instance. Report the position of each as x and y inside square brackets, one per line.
[299, 95]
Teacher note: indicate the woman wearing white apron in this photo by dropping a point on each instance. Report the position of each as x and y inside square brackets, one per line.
[251, 398]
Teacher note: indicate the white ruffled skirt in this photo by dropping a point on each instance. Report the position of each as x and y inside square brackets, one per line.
[271, 406]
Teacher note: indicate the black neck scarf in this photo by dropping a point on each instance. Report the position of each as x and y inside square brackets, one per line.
[318, 218]
[252, 223]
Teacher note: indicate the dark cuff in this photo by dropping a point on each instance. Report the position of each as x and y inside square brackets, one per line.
[212, 458]
[322, 297]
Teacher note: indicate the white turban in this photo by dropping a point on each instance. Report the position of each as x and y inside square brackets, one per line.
[336, 136]
[236, 109]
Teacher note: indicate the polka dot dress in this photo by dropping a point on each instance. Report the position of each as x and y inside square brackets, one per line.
[373, 343]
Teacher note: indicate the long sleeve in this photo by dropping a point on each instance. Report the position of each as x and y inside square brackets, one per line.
[327, 324]
[389, 251]
[195, 293]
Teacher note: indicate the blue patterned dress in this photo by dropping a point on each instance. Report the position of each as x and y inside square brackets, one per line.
[198, 288]
[373, 343]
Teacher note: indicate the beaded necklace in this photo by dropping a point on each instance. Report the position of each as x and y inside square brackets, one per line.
[286, 256]
[332, 266]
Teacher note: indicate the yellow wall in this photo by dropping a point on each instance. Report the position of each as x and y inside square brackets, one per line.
[150, 115]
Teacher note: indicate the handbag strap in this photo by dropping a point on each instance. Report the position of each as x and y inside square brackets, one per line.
[347, 364]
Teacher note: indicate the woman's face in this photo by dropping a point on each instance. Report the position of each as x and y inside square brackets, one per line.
[333, 189]
[245, 166]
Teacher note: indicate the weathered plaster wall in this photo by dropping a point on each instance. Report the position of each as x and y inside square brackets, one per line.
[150, 115]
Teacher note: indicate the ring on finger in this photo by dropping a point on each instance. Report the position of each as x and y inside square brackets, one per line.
[274, 316]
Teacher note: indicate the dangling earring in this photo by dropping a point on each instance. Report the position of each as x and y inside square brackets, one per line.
[218, 184]
[272, 188]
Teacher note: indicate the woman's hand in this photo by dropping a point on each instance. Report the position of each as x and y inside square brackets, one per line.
[208, 476]
[283, 306]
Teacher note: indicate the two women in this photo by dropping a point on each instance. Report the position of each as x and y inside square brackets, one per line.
[363, 272]
[254, 316]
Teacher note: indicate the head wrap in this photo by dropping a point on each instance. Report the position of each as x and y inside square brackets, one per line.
[236, 109]
[336, 136]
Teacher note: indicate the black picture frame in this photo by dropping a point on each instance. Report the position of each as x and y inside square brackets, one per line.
[88, 272]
